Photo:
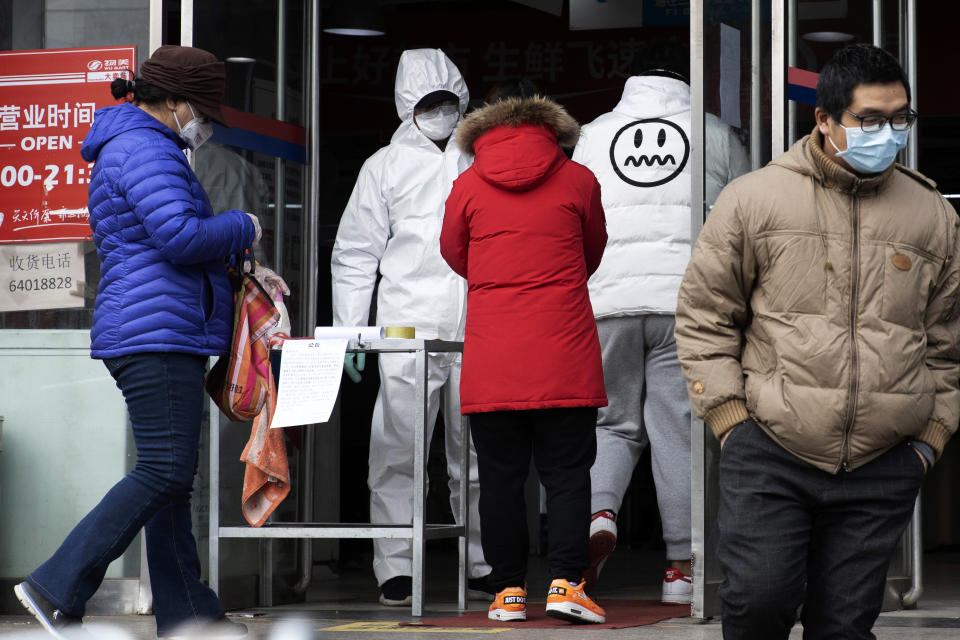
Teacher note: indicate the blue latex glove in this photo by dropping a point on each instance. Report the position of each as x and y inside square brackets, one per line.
[353, 364]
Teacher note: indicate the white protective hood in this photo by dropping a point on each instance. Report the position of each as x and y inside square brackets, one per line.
[391, 225]
[421, 72]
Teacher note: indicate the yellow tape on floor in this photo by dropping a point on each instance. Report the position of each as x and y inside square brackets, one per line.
[393, 627]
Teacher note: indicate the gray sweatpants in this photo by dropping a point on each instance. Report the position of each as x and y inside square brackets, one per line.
[648, 403]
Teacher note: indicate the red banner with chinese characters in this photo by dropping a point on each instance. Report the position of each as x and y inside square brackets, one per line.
[47, 101]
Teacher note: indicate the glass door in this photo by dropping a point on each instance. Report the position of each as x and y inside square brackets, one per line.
[259, 165]
[730, 47]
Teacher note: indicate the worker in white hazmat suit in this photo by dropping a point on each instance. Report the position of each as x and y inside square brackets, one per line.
[640, 153]
[391, 226]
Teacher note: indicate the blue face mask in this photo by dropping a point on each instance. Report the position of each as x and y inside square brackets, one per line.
[871, 152]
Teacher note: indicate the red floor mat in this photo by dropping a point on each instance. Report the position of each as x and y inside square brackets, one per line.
[620, 614]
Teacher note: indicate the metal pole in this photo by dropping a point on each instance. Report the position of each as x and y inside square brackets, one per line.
[696, 119]
[145, 595]
[308, 292]
[311, 213]
[266, 546]
[911, 69]
[464, 511]
[755, 85]
[916, 590]
[279, 173]
[305, 488]
[186, 40]
[144, 592]
[697, 471]
[792, 62]
[213, 525]
[186, 23]
[419, 479]
[911, 597]
[901, 40]
[156, 27]
[266, 571]
[778, 84]
[878, 23]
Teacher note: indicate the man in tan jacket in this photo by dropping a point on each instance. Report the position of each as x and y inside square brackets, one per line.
[817, 327]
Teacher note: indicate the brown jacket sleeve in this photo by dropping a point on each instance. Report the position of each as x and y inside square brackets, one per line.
[942, 322]
[712, 312]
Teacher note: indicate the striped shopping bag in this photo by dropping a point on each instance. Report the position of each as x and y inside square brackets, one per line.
[238, 382]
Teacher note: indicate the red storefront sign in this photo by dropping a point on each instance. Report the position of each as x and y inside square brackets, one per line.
[47, 104]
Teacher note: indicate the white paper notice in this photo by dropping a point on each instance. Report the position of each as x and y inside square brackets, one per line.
[46, 275]
[310, 373]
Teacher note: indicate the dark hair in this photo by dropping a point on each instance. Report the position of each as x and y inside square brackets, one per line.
[853, 65]
[515, 88]
[143, 92]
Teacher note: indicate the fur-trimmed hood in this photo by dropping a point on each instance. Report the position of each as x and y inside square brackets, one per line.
[513, 112]
[515, 141]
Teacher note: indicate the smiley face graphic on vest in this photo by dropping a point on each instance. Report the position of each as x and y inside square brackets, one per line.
[648, 153]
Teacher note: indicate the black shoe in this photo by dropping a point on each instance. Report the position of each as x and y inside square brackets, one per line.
[222, 629]
[480, 589]
[53, 620]
[397, 592]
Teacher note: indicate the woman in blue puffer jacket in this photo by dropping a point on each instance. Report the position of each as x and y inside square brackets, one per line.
[163, 306]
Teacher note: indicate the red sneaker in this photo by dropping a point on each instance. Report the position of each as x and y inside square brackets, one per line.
[603, 539]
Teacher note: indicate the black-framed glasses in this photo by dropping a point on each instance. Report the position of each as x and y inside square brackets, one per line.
[898, 121]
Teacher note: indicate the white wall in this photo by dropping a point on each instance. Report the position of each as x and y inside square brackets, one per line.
[65, 443]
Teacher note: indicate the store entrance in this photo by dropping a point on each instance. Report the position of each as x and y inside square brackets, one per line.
[340, 88]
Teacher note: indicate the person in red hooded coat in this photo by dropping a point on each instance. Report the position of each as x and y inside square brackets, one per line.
[525, 227]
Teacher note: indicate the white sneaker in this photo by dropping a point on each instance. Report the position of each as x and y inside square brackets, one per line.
[603, 539]
[677, 587]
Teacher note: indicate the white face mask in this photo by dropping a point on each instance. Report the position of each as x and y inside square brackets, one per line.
[437, 124]
[196, 132]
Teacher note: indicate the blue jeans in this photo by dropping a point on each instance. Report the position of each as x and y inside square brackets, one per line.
[792, 534]
[164, 394]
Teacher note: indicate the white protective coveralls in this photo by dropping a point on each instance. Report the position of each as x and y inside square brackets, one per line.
[392, 224]
[640, 153]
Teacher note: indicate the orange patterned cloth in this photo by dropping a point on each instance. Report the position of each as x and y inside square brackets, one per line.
[266, 480]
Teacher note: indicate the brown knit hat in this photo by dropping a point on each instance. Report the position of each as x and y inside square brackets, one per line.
[193, 73]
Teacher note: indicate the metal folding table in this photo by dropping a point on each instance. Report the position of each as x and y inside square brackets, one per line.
[418, 531]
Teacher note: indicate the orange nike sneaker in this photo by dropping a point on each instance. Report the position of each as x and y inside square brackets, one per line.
[567, 601]
[509, 605]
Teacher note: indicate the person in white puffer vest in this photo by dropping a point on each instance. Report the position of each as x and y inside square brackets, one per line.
[640, 153]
